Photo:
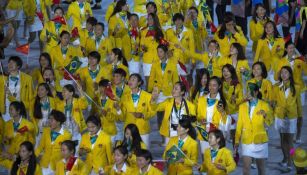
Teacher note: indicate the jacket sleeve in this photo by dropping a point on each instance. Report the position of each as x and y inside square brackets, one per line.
[230, 163]
[239, 126]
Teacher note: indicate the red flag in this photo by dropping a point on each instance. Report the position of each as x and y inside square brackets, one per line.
[75, 33]
[182, 66]
[276, 17]
[40, 16]
[163, 42]
[68, 76]
[56, 2]
[23, 49]
[212, 127]
[212, 27]
[185, 82]
[23, 130]
[160, 164]
[287, 38]
[59, 19]
[70, 163]
[109, 92]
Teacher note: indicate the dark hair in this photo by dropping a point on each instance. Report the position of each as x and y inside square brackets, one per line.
[96, 55]
[136, 137]
[232, 70]
[292, 83]
[276, 34]
[138, 76]
[47, 56]
[163, 47]
[199, 76]
[59, 8]
[186, 123]
[257, 89]
[255, 13]
[32, 161]
[64, 32]
[37, 104]
[219, 135]
[215, 42]
[182, 87]
[120, 55]
[286, 46]
[194, 8]
[20, 107]
[120, 71]
[71, 88]
[133, 14]
[17, 60]
[100, 24]
[228, 17]
[94, 119]
[118, 7]
[144, 153]
[219, 82]
[58, 116]
[122, 149]
[178, 16]
[104, 83]
[92, 20]
[264, 72]
[71, 145]
[157, 27]
[48, 68]
[152, 4]
[241, 55]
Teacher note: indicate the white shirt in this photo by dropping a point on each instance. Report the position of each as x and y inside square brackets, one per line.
[123, 169]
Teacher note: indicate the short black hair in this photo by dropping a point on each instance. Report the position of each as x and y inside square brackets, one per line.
[94, 119]
[264, 72]
[92, 20]
[104, 83]
[194, 8]
[96, 55]
[178, 16]
[153, 4]
[133, 14]
[58, 116]
[17, 60]
[120, 71]
[64, 32]
[144, 153]
[100, 24]
[59, 8]
[219, 135]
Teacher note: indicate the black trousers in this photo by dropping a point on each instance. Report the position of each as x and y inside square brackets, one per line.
[242, 22]
[220, 12]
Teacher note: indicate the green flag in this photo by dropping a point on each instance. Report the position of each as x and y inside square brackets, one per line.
[203, 133]
[74, 65]
[174, 154]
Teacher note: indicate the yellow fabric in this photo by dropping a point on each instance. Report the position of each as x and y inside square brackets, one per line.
[29, 8]
[38, 170]
[256, 30]
[163, 19]
[152, 171]
[224, 157]
[232, 107]
[267, 56]
[78, 105]
[266, 89]
[2, 129]
[167, 106]
[110, 171]
[51, 152]
[143, 107]
[116, 22]
[225, 43]
[164, 81]
[190, 149]
[253, 130]
[50, 41]
[109, 68]
[131, 45]
[100, 154]
[26, 91]
[150, 43]
[38, 78]
[14, 5]
[290, 106]
[132, 157]
[200, 34]
[240, 64]
[79, 167]
[127, 90]
[186, 41]
[78, 18]
[109, 11]
[105, 48]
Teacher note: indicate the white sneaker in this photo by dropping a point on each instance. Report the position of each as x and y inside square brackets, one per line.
[254, 166]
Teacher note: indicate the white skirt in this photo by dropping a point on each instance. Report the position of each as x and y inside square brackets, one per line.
[146, 69]
[286, 125]
[258, 151]
[36, 26]
[134, 67]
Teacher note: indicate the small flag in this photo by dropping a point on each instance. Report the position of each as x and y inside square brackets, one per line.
[160, 164]
[75, 33]
[109, 92]
[185, 82]
[59, 19]
[163, 42]
[40, 16]
[212, 27]
[23, 49]
[287, 38]
[174, 154]
[23, 130]
[182, 66]
[56, 2]
[70, 163]
[74, 65]
[204, 134]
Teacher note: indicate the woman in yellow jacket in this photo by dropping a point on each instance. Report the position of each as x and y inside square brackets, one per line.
[136, 107]
[229, 33]
[119, 86]
[259, 77]
[288, 109]
[144, 161]
[186, 143]
[44, 62]
[211, 111]
[17, 130]
[70, 165]
[50, 34]
[254, 116]
[270, 48]
[73, 107]
[17, 86]
[218, 160]
[79, 11]
[49, 149]
[25, 162]
[117, 60]
[96, 147]
[201, 87]
[49, 77]
[163, 15]
[256, 24]
[118, 23]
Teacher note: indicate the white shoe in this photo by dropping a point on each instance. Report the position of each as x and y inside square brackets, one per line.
[254, 166]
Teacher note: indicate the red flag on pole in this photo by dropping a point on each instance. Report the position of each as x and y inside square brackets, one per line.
[109, 93]
[182, 66]
[212, 27]
[75, 33]
[59, 19]
[23, 49]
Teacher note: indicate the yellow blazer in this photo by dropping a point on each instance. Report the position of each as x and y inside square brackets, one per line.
[131, 46]
[78, 105]
[53, 38]
[126, 90]
[290, 106]
[224, 157]
[132, 157]
[14, 5]
[266, 89]
[269, 56]
[200, 33]
[225, 43]
[100, 153]
[2, 129]
[150, 55]
[185, 39]
[111, 171]
[89, 83]
[79, 167]
[26, 91]
[190, 149]
[143, 107]
[253, 130]
[140, 6]
[167, 106]
[151, 171]
[51, 152]
[256, 30]
[163, 80]
[228, 91]
[79, 18]
[240, 64]
[116, 22]
[109, 11]
[83, 35]
[110, 68]
[37, 76]
[163, 19]
[105, 48]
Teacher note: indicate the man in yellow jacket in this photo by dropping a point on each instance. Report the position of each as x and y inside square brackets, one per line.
[79, 11]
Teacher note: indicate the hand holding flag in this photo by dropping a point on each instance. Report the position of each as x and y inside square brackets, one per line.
[59, 19]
